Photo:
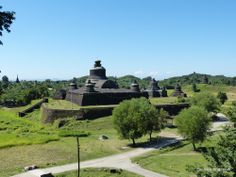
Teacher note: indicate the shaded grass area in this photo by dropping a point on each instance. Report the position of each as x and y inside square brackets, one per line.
[173, 161]
[100, 172]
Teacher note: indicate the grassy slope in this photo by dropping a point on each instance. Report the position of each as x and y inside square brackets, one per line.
[230, 90]
[98, 173]
[18, 131]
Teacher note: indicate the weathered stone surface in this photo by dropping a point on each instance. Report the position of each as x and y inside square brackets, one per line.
[155, 90]
[99, 90]
[50, 115]
[178, 92]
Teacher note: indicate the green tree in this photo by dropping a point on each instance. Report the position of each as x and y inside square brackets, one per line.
[134, 118]
[194, 88]
[155, 120]
[230, 112]
[5, 82]
[221, 158]
[222, 96]
[6, 19]
[207, 101]
[193, 124]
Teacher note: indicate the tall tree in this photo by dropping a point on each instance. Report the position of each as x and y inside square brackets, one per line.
[5, 82]
[6, 19]
[193, 124]
[155, 120]
[136, 117]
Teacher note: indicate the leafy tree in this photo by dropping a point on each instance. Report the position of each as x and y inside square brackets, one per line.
[194, 88]
[1, 88]
[5, 82]
[207, 101]
[230, 112]
[221, 158]
[155, 120]
[6, 19]
[22, 94]
[134, 118]
[193, 124]
[222, 96]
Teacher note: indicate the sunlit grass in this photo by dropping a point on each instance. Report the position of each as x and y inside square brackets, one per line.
[101, 172]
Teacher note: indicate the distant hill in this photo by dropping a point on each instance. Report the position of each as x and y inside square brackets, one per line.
[125, 81]
[199, 78]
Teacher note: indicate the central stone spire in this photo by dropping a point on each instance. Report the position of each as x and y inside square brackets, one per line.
[98, 72]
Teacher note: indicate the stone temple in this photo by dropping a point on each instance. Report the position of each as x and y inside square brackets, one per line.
[155, 90]
[99, 90]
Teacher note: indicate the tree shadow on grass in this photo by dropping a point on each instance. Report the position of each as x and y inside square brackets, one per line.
[159, 142]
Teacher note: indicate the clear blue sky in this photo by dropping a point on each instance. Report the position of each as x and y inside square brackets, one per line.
[163, 38]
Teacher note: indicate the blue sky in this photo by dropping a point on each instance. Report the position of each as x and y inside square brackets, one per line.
[60, 39]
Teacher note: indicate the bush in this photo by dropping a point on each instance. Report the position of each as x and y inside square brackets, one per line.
[206, 101]
[222, 97]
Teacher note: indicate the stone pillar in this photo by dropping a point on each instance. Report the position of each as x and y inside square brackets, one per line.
[135, 86]
[89, 86]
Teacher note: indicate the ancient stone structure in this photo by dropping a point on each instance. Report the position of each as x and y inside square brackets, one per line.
[17, 79]
[178, 92]
[49, 115]
[60, 94]
[99, 90]
[205, 80]
[155, 90]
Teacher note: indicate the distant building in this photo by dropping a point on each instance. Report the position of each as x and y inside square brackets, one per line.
[205, 80]
[155, 90]
[178, 92]
[17, 79]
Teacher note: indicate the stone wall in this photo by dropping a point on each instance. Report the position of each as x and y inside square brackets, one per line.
[173, 109]
[32, 108]
[98, 98]
[50, 115]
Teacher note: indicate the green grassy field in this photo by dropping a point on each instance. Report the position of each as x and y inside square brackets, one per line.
[18, 131]
[102, 172]
[230, 90]
[163, 100]
[62, 150]
[173, 161]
